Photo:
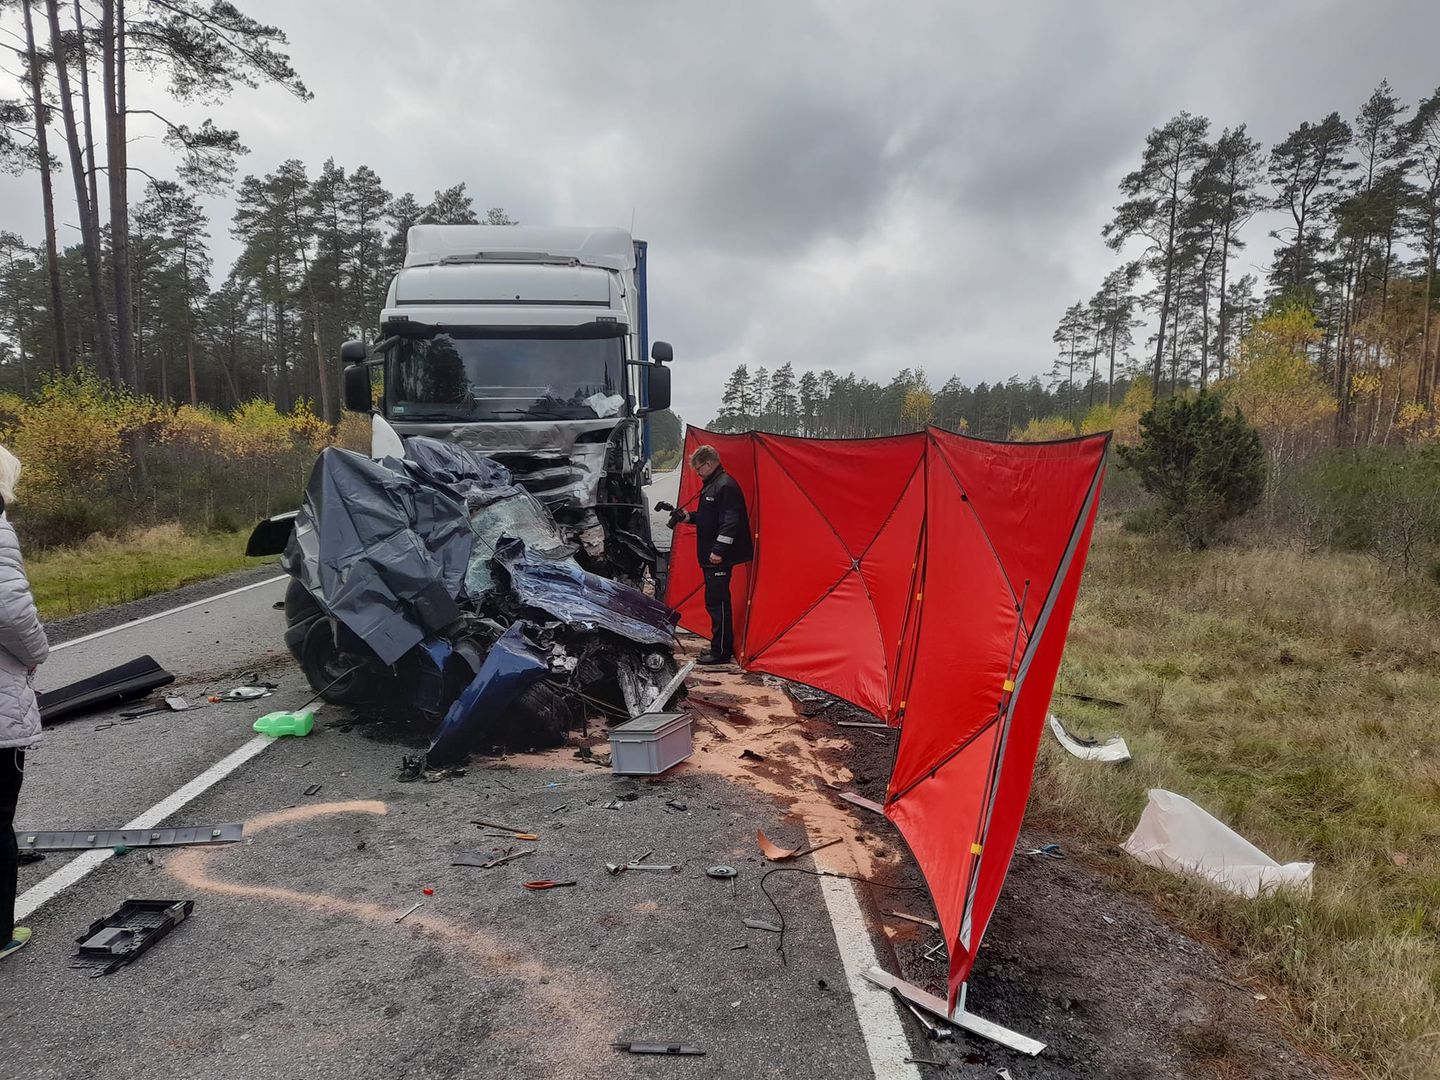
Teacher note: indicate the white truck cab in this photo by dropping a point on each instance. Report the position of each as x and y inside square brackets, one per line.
[527, 345]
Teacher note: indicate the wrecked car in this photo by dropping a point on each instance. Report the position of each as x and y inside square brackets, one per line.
[435, 586]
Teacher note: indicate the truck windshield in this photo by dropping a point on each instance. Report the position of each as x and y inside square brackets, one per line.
[477, 379]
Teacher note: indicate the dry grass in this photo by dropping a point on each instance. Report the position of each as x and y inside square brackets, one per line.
[1297, 698]
[105, 570]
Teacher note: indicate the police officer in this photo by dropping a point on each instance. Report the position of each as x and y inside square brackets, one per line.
[722, 541]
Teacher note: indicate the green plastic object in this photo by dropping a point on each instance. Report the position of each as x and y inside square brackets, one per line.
[286, 723]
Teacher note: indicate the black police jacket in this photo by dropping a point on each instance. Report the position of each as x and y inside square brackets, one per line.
[722, 525]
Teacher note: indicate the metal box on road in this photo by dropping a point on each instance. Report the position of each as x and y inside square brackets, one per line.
[650, 744]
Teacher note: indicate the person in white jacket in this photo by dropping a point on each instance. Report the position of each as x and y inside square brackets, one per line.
[23, 648]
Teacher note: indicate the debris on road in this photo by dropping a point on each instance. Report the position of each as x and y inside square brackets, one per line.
[410, 910]
[862, 802]
[1087, 749]
[244, 693]
[278, 724]
[465, 859]
[672, 1049]
[498, 825]
[763, 924]
[1176, 835]
[123, 937]
[775, 853]
[933, 1030]
[723, 872]
[90, 839]
[313, 789]
[540, 886]
[128, 681]
[650, 744]
[915, 919]
[169, 704]
[1047, 851]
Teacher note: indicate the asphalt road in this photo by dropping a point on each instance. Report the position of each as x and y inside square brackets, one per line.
[294, 963]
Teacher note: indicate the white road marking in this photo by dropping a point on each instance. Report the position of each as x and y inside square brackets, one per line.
[162, 614]
[50, 887]
[879, 1017]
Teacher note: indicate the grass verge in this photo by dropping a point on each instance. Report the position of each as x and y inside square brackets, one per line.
[1295, 697]
[104, 570]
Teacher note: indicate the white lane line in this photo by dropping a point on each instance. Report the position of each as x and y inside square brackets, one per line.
[50, 887]
[162, 614]
[885, 1037]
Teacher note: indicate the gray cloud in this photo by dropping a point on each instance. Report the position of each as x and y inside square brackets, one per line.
[854, 185]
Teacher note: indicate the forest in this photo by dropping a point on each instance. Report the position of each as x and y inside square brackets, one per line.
[1353, 210]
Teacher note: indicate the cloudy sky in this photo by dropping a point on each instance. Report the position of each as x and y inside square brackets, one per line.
[860, 186]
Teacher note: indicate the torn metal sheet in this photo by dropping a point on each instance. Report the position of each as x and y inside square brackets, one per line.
[1112, 749]
[560, 588]
[1176, 835]
[559, 462]
[514, 664]
[86, 839]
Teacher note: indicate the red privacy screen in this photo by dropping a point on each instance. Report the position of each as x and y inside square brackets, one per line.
[929, 579]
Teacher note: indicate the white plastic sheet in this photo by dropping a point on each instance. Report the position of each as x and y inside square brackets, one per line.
[1175, 834]
[1112, 749]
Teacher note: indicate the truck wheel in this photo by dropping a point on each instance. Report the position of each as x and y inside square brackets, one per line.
[340, 677]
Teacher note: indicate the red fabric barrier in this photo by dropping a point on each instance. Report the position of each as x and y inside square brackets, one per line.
[929, 579]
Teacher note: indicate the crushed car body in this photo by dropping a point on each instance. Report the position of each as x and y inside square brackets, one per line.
[434, 585]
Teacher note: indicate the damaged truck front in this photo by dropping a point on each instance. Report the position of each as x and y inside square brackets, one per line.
[527, 346]
[434, 586]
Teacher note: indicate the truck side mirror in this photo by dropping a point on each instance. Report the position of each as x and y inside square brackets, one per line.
[659, 395]
[662, 353]
[353, 352]
[357, 386]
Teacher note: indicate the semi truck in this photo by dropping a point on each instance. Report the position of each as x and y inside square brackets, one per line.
[528, 345]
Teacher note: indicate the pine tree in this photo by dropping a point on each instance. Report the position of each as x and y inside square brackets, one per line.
[1158, 196]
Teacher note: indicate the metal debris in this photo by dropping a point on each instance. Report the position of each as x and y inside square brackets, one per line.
[671, 1049]
[86, 839]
